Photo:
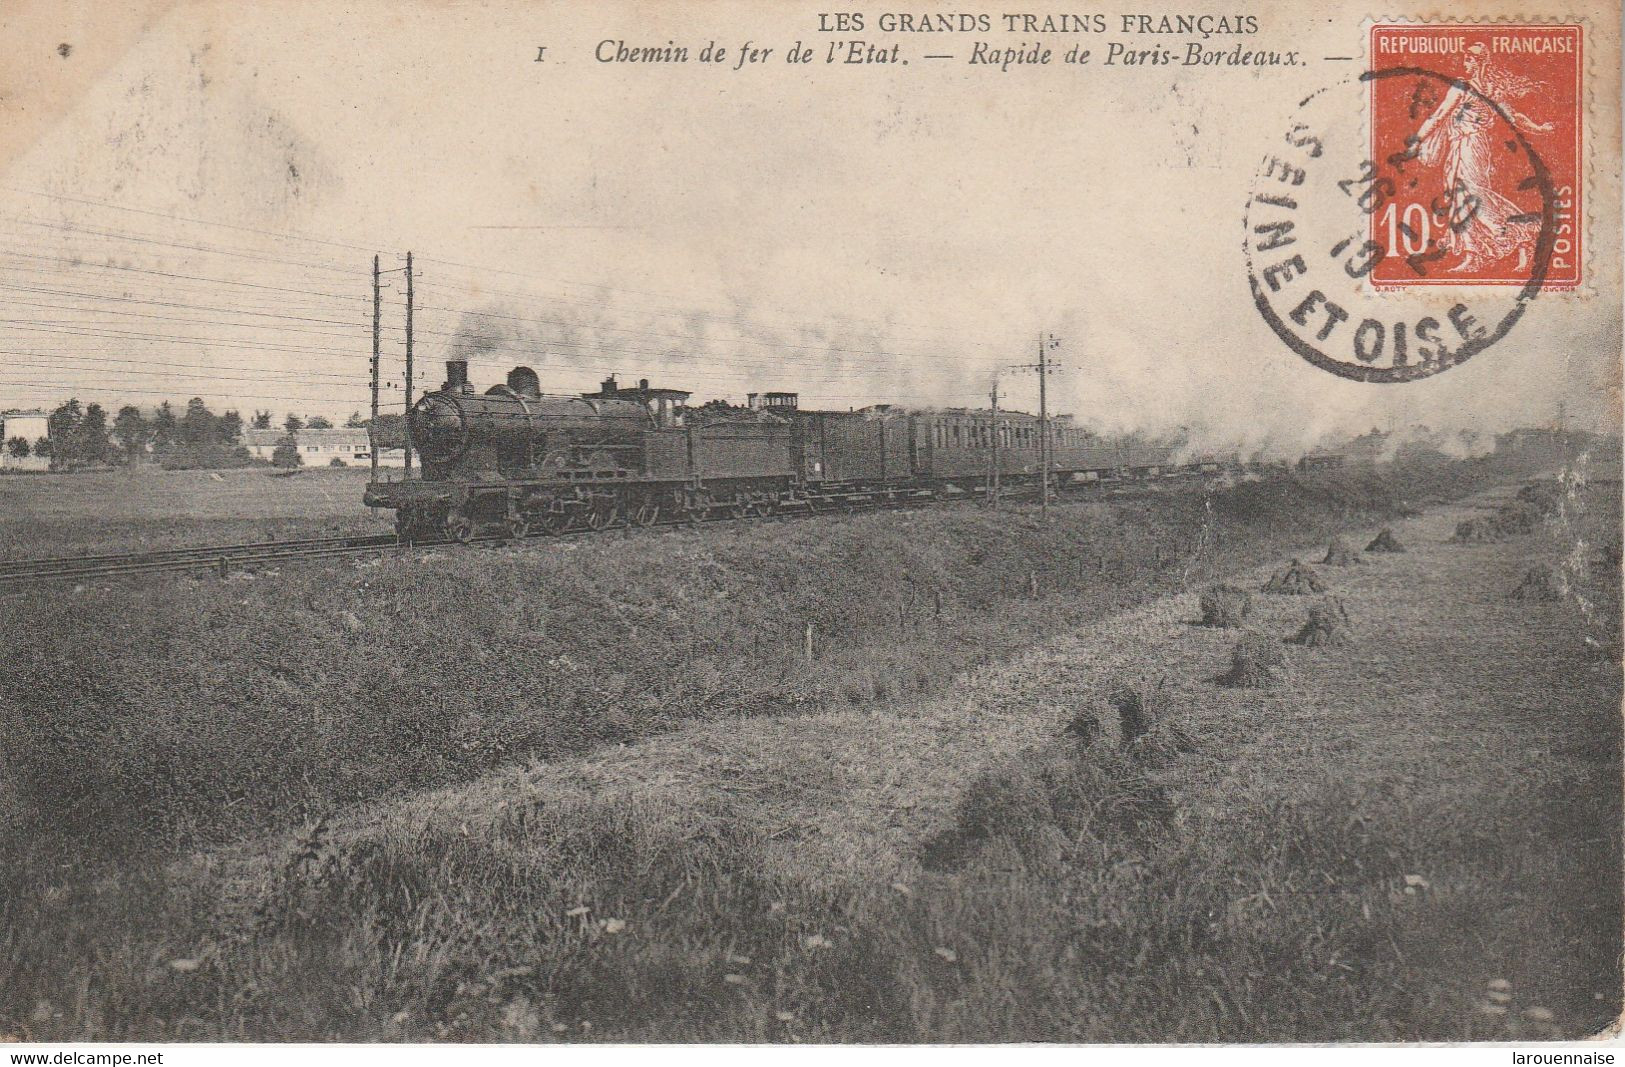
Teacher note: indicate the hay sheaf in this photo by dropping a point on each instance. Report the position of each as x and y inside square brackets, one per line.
[1539, 583]
[1258, 661]
[1297, 580]
[1545, 496]
[1385, 542]
[1225, 605]
[1517, 518]
[1147, 726]
[1327, 624]
[1476, 532]
[1339, 553]
[1048, 805]
[1514, 519]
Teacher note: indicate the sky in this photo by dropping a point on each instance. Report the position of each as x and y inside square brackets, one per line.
[193, 194]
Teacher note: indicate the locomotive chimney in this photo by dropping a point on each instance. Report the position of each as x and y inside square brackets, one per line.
[643, 383]
[456, 373]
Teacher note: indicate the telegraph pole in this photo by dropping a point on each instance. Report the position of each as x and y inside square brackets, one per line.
[993, 479]
[1043, 431]
[1045, 343]
[372, 427]
[408, 412]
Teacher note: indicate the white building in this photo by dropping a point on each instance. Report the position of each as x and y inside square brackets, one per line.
[320, 448]
[30, 426]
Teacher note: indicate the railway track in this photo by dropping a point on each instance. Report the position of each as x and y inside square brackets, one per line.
[222, 559]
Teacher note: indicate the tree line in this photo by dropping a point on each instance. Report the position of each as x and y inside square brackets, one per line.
[81, 435]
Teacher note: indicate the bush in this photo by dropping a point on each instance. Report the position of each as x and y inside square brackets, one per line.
[286, 453]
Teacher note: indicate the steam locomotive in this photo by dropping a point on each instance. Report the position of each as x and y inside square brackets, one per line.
[512, 459]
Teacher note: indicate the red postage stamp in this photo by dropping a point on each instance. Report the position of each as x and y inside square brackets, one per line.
[1489, 104]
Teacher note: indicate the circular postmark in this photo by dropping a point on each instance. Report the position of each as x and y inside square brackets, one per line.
[1330, 205]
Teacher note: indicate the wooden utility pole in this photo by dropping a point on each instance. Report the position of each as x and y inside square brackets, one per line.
[1043, 431]
[372, 427]
[408, 411]
[1045, 343]
[993, 475]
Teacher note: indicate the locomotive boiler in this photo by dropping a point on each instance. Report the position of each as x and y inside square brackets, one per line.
[513, 431]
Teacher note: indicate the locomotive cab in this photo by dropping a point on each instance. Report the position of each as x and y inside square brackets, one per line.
[665, 406]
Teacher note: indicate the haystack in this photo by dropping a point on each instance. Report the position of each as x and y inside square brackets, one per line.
[1134, 715]
[1340, 554]
[1546, 497]
[1225, 605]
[1518, 517]
[1257, 661]
[1084, 728]
[1327, 624]
[1163, 743]
[1147, 731]
[1476, 532]
[1385, 542]
[1539, 583]
[1296, 580]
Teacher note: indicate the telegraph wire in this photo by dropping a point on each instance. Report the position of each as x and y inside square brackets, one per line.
[214, 251]
[167, 318]
[350, 246]
[58, 387]
[283, 235]
[72, 263]
[185, 366]
[182, 218]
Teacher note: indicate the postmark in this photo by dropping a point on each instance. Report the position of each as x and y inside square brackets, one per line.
[1532, 74]
[1317, 232]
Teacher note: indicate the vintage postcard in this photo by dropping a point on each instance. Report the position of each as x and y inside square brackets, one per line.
[744, 522]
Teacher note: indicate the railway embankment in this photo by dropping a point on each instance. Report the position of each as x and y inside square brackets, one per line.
[955, 864]
[185, 711]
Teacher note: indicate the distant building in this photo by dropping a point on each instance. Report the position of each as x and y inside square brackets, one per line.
[319, 448]
[30, 426]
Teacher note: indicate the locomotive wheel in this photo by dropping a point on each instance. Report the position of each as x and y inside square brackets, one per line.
[460, 528]
[555, 522]
[647, 514]
[602, 515]
[516, 527]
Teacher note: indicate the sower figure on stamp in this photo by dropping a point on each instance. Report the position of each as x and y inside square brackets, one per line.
[1462, 130]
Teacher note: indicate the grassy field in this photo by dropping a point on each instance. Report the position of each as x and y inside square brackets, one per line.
[124, 510]
[900, 842]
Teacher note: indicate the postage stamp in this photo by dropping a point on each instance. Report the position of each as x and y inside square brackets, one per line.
[1325, 198]
[1464, 212]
